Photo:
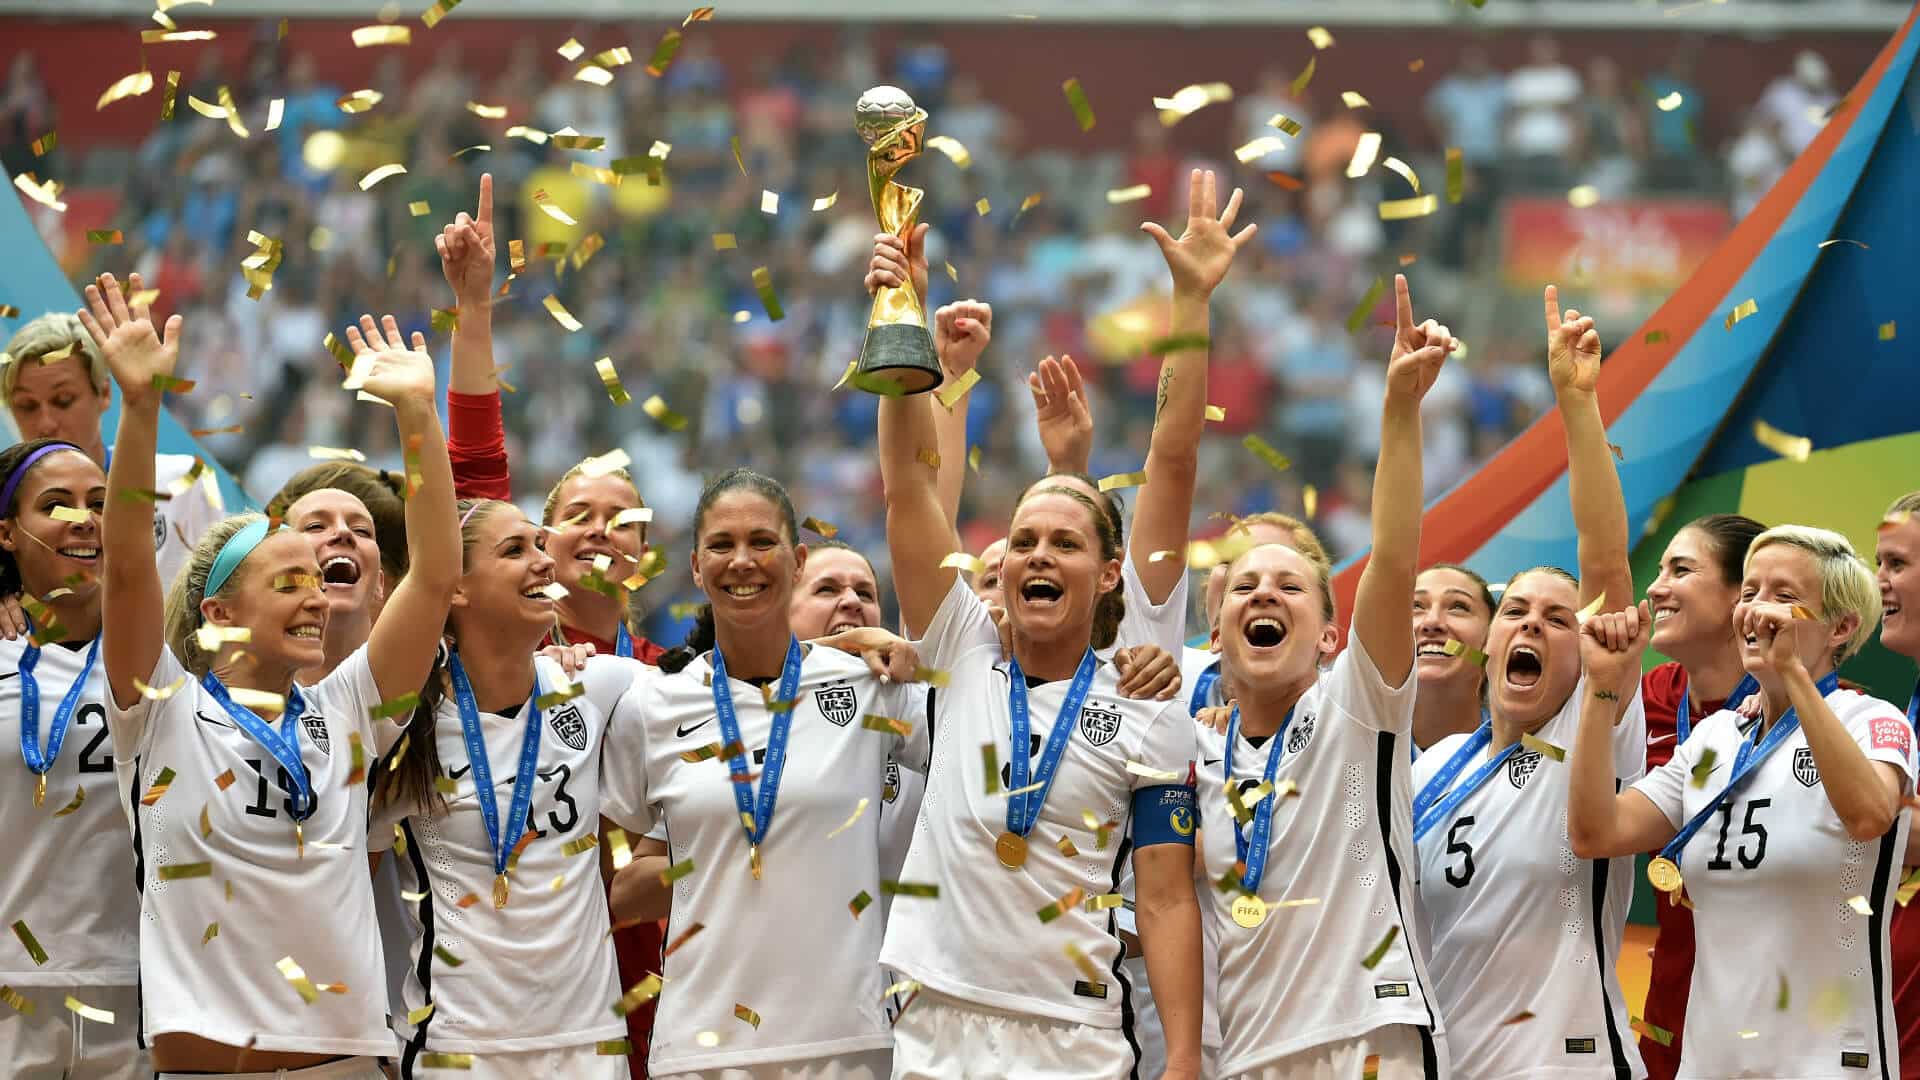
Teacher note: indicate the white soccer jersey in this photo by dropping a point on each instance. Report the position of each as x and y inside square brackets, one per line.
[1516, 924]
[1341, 850]
[901, 790]
[1773, 877]
[785, 946]
[1144, 622]
[980, 940]
[211, 941]
[539, 973]
[179, 522]
[70, 872]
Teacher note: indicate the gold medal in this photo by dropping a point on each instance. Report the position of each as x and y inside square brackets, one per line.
[1011, 849]
[753, 860]
[39, 791]
[299, 841]
[499, 891]
[1249, 911]
[1664, 875]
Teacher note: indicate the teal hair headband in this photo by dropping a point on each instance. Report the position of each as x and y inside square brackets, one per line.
[234, 552]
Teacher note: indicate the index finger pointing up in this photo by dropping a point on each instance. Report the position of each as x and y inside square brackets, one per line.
[1402, 305]
[1553, 309]
[485, 211]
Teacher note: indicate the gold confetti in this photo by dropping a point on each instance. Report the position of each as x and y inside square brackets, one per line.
[81, 1008]
[610, 379]
[159, 788]
[1670, 102]
[31, 943]
[79, 798]
[746, 1015]
[359, 101]
[559, 697]
[982, 207]
[1534, 742]
[532, 135]
[1029, 203]
[1306, 76]
[1151, 773]
[675, 872]
[1886, 331]
[1860, 905]
[1190, 99]
[663, 52]
[440, 1059]
[571, 50]
[1583, 196]
[1087, 968]
[1320, 37]
[848, 824]
[1310, 499]
[1065, 903]
[1655, 337]
[1402, 209]
[47, 194]
[1353, 100]
[656, 407]
[1259, 148]
[823, 528]
[1065, 844]
[560, 314]
[369, 36]
[1455, 647]
[1263, 450]
[953, 148]
[933, 677]
[1456, 174]
[763, 284]
[1416, 64]
[1358, 317]
[910, 888]
[1077, 101]
[431, 17]
[1741, 310]
[380, 173]
[825, 202]
[1365, 150]
[1216, 413]
[950, 394]
[1791, 447]
[1703, 768]
[860, 902]
[1135, 193]
[724, 241]
[1908, 887]
[183, 871]
[417, 1015]
[1404, 170]
[1379, 952]
[1657, 1034]
[1520, 1017]
[74, 514]
[126, 86]
[546, 205]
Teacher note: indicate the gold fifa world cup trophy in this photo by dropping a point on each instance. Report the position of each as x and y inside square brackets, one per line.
[898, 351]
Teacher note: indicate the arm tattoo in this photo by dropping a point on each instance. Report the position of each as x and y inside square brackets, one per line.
[1606, 695]
[1160, 398]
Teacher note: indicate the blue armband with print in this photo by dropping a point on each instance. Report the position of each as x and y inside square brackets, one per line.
[1164, 814]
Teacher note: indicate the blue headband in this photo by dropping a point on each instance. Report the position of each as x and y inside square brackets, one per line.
[234, 552]
[19, 472]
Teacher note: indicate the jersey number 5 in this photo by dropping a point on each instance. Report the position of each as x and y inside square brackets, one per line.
[1748, 828]
[1459, 876]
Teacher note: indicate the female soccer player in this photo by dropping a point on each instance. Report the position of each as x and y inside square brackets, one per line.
[1899, 580]
[1517, 924]
[256, 943]
[67, 880]
[1692, 604]
[540, 908]
[1319, 992]
[1785, 836]
[1450, 604]
[760, 760]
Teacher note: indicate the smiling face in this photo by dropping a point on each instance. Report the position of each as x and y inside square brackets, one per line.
[744, 560]
[1533, 647]
[1785, 574]
[1054, 571]
[275, 594]
[57, 401]
[987, 583]
[1448, 606]
[584, 511]
[836, 592]
[1692, 605]
[501, 587]
[48, 551]
[1272, 626]
[1250, 535]
[340, 529]
[1899, 582]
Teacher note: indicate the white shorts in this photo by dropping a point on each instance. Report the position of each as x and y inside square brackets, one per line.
[358, 1068]
[559, 1063]
[1405, 1052]
[864, 1065]
[942, 1038]
[54, 1043]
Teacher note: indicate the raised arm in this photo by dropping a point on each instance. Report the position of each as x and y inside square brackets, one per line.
[1199, 261]
[401, 647]
[476, 438]
[1386, 584]
[133, 599]
[1603, 822]
[1062, 415]
[1593, 486]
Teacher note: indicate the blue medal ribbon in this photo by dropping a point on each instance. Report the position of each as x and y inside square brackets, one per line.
[1749, 759]
[1683, 715]
[1023, 810]
[1252, 851]
[757, 819]
[623, 641]
[1203, 689]
[1913, 707]
[283, 745]
[30, 708]
[483, 791]
[1434, 803]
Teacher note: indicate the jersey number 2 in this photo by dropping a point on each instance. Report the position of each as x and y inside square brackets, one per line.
[1748, 827]
[1459, 876]
[94, 713]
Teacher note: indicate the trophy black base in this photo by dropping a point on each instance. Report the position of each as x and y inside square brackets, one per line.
[897, 358]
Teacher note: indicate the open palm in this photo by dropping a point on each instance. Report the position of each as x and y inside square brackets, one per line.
[1573, 347]
[1204, 253]
[385, 367]
[135, 353]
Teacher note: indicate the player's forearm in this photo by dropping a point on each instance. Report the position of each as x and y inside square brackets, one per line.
[638, 895]
[1859, 794]
[132, 596]
[1168, 917]
[473, 350]
[1599, 508]
[1592, 803]
[1380, 601]
[950, 437]
[1180, 407]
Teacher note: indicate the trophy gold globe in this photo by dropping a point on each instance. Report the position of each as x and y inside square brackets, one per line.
[898, 354]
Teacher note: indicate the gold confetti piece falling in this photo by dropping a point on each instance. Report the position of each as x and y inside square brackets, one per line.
[1741, 310]
[1310, 499]
[859, 903]
[378, 174]
[1259, 148]
[126, 86]
[440, 1059]
[848, 824]
[183, 871]
[1670, 102]
[1908, 887]
[746, 1016]
[79, 798]
[1306, 76]
[1520, 1017]
[825, 202]
[910, 888]
[1657, 1034]
[1320, 37]
[1135, 193]
[73, 514]
[1065, 844]
[160, 693]
[685, 936]
[159, 788]
[368, 36]
[1886, 331]
[1076, 100]
[546, 204]
[1379, 952]
[1028, 203]
[1056, 908]
[724, 241]
[359, 101]
[1285, 123]
[1402, 209]
[823, 528]
[1534, 742]
[1791, 447]
[610, 379]
[663, 52]
[763, 284]
[1456, 174]
[1087, 968]
[47, 194]
[1123, 480]
[1455, 647]
[1404, 170]
[1704, 767]
[579, 844]
[431, 17]
[560, 314]
[933, 677]
[656, 407]
[675, 872]
[31, 943]
[1860, 905]
[982, 207]
[571, 50]
[157, 37]
[887, 724]
[1263, 450]
[953, 148]
[1354, 100]
[1190, 99]
[769, 202]
[950, 394]
[559, 697]
[81, 1008]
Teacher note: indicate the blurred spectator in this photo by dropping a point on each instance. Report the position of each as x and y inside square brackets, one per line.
[1674, 107]
[1273, 96]
[26, 113]
[1612, 138]
[1756, 159]
[1541, 125]
[1798, 104]
[1468, 108]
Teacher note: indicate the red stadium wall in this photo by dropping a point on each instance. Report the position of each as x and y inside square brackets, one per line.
[1121, 67]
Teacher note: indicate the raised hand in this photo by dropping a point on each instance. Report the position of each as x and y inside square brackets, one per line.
[1204, 253]
[1065, 422]
[897, 260]
[124, 333]
[1611, 644]
[961, 331]
[385, 367]
[466, 250]
[1418, 351]
[1573, 348]
[1784, 636]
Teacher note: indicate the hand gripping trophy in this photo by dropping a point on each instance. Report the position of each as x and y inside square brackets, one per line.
[898, 354]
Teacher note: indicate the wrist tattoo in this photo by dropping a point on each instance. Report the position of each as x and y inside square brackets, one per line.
[1606, 695]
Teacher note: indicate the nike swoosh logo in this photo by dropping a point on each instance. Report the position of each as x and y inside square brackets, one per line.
[4, 676]
[683, 732]
[455, 774]
[1210, 761]
[1661, 738]
[205, 719]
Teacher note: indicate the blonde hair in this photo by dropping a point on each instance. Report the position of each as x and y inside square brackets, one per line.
[1846, 583]
[552, 505]
[1322, 572]
[190, 588]
[1305, 540]
[1905, 504]
[47, 334]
